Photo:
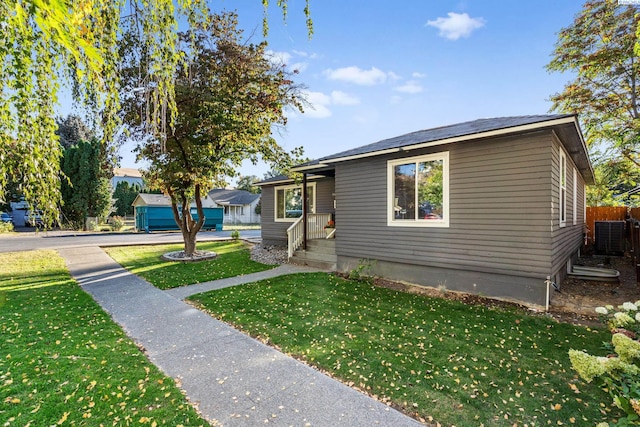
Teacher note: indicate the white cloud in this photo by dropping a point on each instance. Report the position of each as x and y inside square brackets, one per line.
[357, 75]
[278, 57]
[304, 54]
[299, 66]
[417, 75]
[287, 59]
[319, 108]
[320, 103]
[456, 25]
[409, 87]
[341, 98]
[393, 76]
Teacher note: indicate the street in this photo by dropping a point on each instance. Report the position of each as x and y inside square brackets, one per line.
[56, 239]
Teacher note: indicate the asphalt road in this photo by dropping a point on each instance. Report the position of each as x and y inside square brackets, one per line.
[30, 240]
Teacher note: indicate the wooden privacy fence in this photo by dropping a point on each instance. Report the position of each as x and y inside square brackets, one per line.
[631, 216]
[604, 213]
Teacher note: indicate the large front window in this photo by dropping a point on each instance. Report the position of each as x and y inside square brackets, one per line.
[419, 191]
[289, 202]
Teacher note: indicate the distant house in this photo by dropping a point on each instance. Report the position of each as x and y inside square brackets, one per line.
[493, 206]
[239, 205]
[130, 175]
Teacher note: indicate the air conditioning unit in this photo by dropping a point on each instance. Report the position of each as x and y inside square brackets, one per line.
[610, 237]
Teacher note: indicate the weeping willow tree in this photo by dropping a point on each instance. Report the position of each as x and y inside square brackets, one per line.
[46, 44]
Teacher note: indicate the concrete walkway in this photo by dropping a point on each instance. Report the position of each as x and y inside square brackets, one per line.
[186, 291]
[232, 378]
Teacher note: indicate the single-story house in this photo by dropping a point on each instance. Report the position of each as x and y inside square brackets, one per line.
[493, 206]
[131, 175]
[239, 205]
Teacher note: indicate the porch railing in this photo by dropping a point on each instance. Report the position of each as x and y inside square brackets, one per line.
[315, 230]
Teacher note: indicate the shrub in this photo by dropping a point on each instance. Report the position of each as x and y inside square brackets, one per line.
[6, 227]
[117, 222]
[235, 234]
[619, 372]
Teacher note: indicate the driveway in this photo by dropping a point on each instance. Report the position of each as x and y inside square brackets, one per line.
[56, 239]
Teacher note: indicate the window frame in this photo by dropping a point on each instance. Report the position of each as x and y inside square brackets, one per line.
[575, 197]
[562, 189]
[292, 187]
[417, 222]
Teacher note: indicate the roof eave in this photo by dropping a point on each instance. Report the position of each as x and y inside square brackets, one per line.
[468, 137]
[280, 181]
[309, 168]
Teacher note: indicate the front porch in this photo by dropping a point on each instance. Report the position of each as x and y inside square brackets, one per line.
[315, 245]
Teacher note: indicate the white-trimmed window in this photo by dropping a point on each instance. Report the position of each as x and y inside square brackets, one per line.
[288, 202]
[562, 190]
[575, 197]
[418, 191]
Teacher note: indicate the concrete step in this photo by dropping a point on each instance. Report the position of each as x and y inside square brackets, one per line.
[322, 246]
[321, 265]
[317, 256]
[320, 253]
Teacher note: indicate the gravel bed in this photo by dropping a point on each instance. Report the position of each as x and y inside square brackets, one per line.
[268, 254]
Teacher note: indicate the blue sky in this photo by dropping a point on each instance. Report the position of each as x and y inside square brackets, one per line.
[377, 69]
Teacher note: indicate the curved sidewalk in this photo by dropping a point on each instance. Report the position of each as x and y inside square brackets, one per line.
[233, 379]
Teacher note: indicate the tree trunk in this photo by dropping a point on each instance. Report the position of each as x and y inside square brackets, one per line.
[189, 243]
[188, 226]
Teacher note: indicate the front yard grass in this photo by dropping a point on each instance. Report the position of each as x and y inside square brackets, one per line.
[435, 359]
[233, 259]
[63, 361]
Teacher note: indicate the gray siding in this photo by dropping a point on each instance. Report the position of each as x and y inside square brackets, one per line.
[567, 240]
[500, 215]
[275, 233]
[325, 189]
[499, 210]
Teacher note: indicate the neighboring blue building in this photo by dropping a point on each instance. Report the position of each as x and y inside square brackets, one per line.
[153, 213]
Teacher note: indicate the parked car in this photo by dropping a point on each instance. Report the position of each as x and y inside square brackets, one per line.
[5, 217]
[33, 219]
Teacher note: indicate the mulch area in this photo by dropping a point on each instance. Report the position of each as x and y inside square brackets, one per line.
[583, 296]
[574, 303]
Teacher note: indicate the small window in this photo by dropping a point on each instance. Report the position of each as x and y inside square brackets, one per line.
[289, 202]
[419, 191]
[563, 189]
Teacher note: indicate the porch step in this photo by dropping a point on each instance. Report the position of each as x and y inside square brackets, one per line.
[320, 253]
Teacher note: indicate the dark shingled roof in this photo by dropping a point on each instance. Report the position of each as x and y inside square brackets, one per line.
[232, 197]
[444, 132]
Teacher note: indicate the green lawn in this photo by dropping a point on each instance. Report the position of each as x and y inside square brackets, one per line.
[233, 260]
[63, 361]
[436, 359]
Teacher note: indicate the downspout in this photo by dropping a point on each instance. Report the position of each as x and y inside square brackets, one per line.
[304, 210]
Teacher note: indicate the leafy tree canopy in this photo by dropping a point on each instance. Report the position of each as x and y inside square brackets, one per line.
[246, 183]
[601, 47]
[45, 44]
[229, 96]
[124, 195]
[72, 129]
[85, 188]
